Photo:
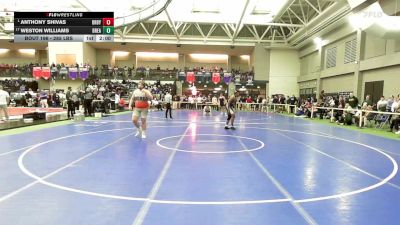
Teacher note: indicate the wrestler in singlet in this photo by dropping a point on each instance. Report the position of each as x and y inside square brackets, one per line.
[140, 101]
[230, 108]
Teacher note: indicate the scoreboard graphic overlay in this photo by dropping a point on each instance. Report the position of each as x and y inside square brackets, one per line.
[64, 26]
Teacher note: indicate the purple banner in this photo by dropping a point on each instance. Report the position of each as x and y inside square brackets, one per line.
[73, 73]
[227, 78]
[84, 73]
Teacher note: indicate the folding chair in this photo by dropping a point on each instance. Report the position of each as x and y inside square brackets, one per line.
[381, 120]
[369, 118]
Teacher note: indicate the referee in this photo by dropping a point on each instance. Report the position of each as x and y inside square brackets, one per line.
[168, 101]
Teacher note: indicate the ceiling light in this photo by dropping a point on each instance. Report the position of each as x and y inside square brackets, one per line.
[27, 51]
[120, 53]
[260, 12]
[209, 56]
[4, 50]
[205, 11]
[245, 57]
[157, 54]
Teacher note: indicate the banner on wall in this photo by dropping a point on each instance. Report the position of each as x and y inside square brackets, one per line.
[73, 73]
[46, 73]
[216, 78]
[249, 80]
[237, 79]
[37, 72]
[182, 76]
[190, 77]
[84, 73]
[227, 78]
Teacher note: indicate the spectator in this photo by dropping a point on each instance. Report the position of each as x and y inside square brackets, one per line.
[389, 103]
[347, 115]
[207, 110]
[395, 122]
[191, 102]
[381, 105]
[43, 96]
[177, 102]
[331, 102]
[249, 99]
[292, 101]
[214, 100]
[367, 100]
[353, 101]
[4, 101]
[157, 104]
[88, 98]
[75, 100]
[395, 105]
[321, 97]
[70, 103]
[359, 113]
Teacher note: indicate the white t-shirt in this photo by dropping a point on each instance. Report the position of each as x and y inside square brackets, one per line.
[168, 98]
[214, 100]
[264, 101]
[381, 103]
[395, 105]
[3, 97]
[191, 100]
[117, 98]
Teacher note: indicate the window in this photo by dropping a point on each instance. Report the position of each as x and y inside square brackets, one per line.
[331, 57]
[350, 51]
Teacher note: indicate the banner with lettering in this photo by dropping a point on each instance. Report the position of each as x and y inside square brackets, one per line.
[73, 73]
[37, 72]
[237, 79]
[84, 73]
[46, 73]
[190, 78]
[227, 78]
[216, 78]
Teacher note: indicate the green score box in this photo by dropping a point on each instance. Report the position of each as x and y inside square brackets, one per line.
[108, 30]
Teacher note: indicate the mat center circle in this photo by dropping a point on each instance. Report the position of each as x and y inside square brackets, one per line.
[210, 143]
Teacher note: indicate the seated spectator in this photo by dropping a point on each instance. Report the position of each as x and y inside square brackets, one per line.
[300, 111]
[156, 104]
[381, 105]
[389, 103]
[395, 105]
[207, 110]
[353, 101]
[347, 117]
[358, 114]
[395, 121]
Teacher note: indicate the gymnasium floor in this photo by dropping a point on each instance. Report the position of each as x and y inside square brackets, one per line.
[190, 171]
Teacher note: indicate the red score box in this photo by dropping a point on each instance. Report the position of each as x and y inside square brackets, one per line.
[108, 21]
